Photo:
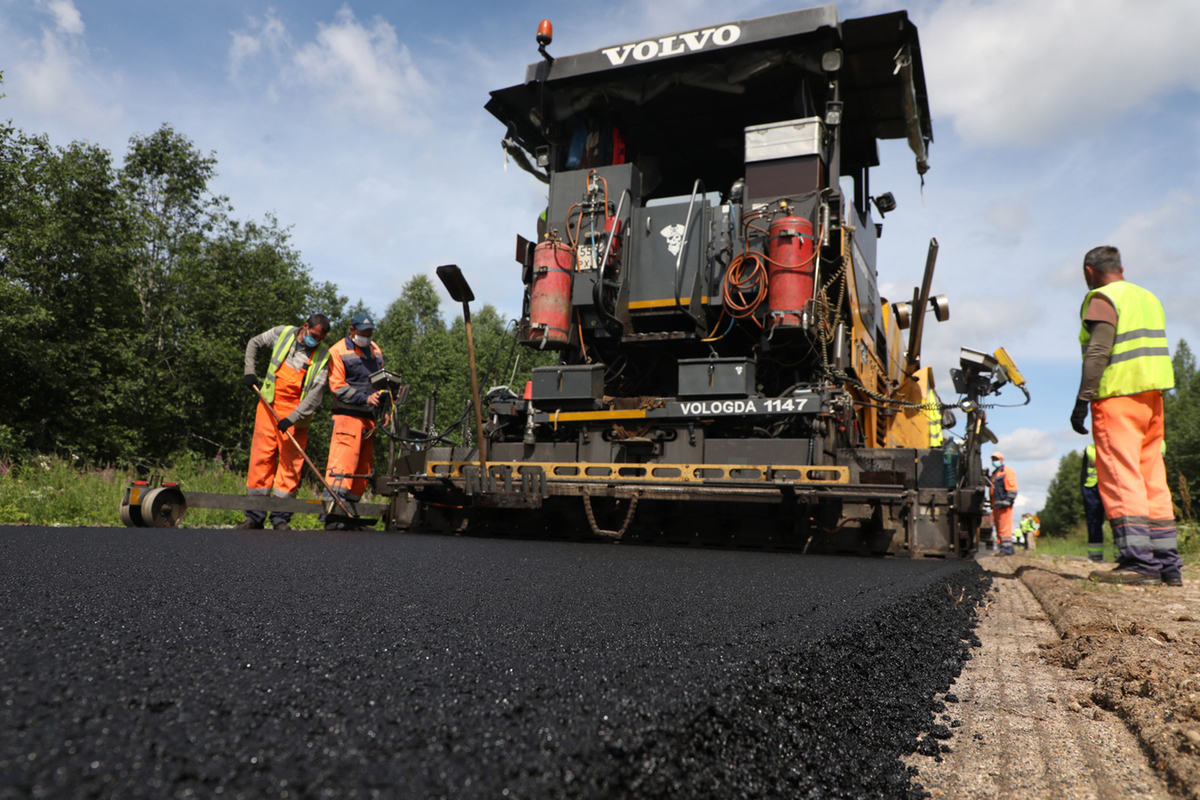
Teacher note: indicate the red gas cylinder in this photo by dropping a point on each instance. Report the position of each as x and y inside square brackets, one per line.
[550, 297]
[790, 270]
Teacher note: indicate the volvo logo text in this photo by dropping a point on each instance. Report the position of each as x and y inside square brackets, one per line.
[673, 45]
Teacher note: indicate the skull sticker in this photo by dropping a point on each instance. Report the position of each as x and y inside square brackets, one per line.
[674, 236]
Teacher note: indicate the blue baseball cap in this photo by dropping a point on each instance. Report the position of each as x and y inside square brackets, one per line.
[363, 321]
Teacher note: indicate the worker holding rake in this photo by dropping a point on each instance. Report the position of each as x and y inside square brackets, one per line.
[290, 394]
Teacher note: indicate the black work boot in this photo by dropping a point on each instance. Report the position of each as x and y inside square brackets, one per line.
[1126, 577]
[253, 522]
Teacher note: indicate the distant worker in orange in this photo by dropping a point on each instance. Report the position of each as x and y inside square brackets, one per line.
[294, 386]
[352, 449]
[1004, 494]
[1126, 368]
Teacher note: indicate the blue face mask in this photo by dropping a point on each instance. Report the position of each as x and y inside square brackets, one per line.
[309, 341]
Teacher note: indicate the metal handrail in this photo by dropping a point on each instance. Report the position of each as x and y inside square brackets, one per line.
[617, 217]
[687, 226]
[596, 287]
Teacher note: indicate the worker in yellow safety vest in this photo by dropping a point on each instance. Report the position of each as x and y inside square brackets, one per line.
[293, 389]
[1028, 530]
[1126, 369]
[933, 414]
[1093, 506]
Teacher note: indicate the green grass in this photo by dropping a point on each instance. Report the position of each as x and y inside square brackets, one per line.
[1075, 543]
[46, 490]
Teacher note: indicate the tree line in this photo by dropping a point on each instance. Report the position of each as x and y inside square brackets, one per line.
[131, 291]
[1181, 409]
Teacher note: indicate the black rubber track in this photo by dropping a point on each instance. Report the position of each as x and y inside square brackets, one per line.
[195, 663]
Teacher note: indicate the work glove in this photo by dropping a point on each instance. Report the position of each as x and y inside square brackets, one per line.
[250, 381]
[284, 424]
[1079, 415]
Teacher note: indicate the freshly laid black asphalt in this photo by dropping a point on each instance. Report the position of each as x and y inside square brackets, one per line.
[198, 663]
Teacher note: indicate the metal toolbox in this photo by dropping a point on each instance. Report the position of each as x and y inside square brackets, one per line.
[582, 382]
[796, 137]
[716, 377]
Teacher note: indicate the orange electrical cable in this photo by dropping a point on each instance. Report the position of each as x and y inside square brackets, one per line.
[579, 324]
[742, 280]
[571, 239]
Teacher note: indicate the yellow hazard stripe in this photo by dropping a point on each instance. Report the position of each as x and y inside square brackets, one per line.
[584, 416]
[636, 305]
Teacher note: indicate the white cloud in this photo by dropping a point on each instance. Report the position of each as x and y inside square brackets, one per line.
[1067, 274]
[52, 76]
[658, 18]
[1148, 240]
[1024, 71]
[268, 34]
[1157, 246]
[1008, 217]
[359, 71]
[1033, 455]
[980, 323]
[1026, 444]
[66, 16]
[1033, 481]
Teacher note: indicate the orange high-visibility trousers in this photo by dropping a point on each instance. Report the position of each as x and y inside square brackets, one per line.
[1132, 479]
[275, 463]
[1002, 519]
[351, 452]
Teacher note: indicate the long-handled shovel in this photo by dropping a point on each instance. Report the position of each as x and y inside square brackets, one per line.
[307, 460]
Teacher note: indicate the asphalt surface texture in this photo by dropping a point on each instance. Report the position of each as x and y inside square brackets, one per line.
[221, 663]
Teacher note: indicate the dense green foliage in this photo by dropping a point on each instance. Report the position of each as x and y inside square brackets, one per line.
[134, 293]
[1182, 411]
[66, 291]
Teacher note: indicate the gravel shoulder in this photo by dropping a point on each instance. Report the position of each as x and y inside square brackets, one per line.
[1080, 690]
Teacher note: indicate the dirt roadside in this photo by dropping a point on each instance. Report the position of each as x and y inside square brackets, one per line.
[1080, 689]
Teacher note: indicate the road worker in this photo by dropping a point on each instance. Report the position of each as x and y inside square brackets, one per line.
[1027, 530]
[294, 387]
[1126, 368]
[352, 449]
[1093, 506]
[933, 416]
[1004, 494]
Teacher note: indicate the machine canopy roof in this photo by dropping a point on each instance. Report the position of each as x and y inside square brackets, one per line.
[707, 84]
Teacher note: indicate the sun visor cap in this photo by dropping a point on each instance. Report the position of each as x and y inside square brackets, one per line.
[362, 321]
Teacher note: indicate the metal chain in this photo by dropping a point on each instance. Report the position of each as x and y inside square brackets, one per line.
[591, 518]
[825, 336]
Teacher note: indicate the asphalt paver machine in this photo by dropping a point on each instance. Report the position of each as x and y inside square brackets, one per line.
[706, 271]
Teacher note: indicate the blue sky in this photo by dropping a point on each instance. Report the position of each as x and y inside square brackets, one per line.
[1059, 125]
